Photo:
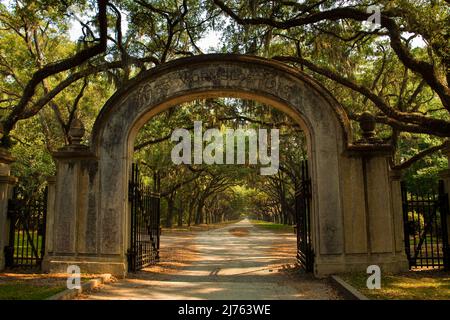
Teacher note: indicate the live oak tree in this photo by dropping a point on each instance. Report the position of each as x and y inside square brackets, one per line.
[196, 194]
[48, 76]
[39, 62]
[398, 70]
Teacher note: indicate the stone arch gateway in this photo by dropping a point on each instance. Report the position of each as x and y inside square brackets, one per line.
[356, 212]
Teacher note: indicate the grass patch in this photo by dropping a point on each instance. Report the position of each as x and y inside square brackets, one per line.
[34, 286]
[24, 291]
[413, 285]
[274, 227]
[22, 244]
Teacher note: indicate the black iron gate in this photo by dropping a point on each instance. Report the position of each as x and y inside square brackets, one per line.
[305, 254]
[27, 216]
[145, 223]
[425, 225]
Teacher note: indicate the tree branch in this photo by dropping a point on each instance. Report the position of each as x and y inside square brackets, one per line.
[437, 126]
[57, 67]
[425, 69]
[406, 164]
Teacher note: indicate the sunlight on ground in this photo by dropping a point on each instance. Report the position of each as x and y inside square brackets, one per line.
[33, 286]
[428, 284]
[237, 261]
[239, 232]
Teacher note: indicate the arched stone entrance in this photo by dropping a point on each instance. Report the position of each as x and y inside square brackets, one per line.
[356, 213]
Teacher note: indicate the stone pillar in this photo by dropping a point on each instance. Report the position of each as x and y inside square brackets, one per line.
[382, 198]
[49, 233]
[73, 224]
[397, 209]
[6, 186]
[445, 176]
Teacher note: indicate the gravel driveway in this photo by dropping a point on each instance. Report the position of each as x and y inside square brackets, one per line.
[239, 262]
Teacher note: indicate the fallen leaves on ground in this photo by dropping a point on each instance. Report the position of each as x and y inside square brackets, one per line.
[239, 232]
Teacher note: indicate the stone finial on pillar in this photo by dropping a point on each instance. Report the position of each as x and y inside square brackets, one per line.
[76, 132]
[75, 147]
[367, 123]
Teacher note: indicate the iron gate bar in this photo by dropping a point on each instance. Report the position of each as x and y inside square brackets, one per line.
[427, 245]
[27, 216]
[145, 217]
[305, 253]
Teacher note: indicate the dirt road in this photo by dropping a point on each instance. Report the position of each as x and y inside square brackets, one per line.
[239, 261]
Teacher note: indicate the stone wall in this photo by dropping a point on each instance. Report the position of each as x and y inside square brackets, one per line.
[6, 187]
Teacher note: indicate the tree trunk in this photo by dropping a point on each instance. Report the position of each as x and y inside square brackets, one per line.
[199, 216]
[190, 211]
[169, 212]
[180, 213]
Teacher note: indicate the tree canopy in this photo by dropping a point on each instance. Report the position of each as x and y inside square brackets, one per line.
[390, 58]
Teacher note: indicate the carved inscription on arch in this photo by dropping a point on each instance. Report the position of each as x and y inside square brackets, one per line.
[231, 77]
[257, 78]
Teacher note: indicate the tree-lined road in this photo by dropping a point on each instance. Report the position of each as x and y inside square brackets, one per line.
[239, 261]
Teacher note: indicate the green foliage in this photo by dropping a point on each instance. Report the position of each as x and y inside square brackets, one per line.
[33, 163]
[23, 291]
[417, 220]
[212, 193]
[274, 227]
[345, 48]
[35, 33]
[423, 175]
